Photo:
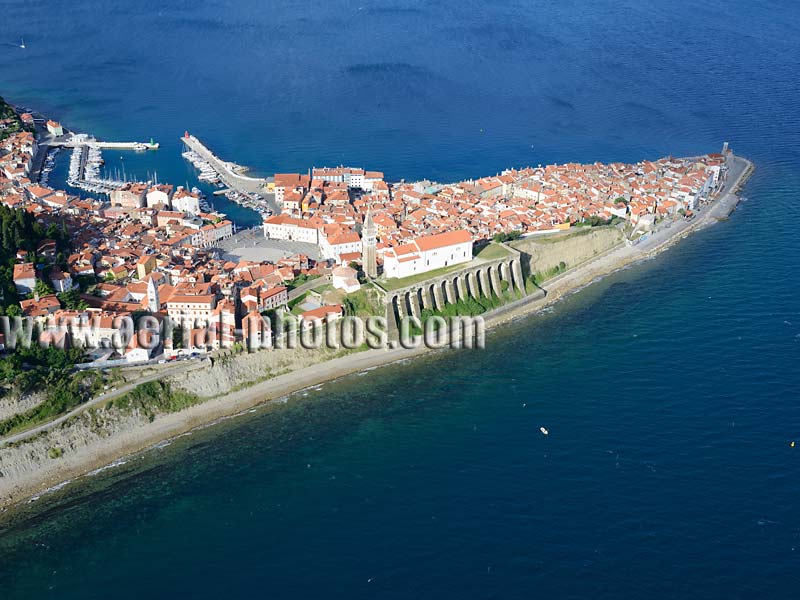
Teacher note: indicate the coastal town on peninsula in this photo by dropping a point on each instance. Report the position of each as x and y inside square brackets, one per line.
[335, 244]
[146, 246]
[399, 300]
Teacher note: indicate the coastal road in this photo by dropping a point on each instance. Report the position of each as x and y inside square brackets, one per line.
[719, 208]
[102, 398]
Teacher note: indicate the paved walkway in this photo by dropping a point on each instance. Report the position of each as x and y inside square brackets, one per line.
[719, 208]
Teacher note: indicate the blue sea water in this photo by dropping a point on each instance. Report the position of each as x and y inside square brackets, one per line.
[670, 389]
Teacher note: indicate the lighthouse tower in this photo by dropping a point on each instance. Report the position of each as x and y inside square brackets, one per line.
[368, 246]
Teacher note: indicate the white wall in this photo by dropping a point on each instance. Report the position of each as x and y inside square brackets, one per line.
[428, 260]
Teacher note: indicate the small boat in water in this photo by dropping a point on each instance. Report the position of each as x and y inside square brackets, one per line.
[544, 430]
[22, 43]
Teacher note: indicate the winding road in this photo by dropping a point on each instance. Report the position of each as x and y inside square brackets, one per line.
[102, 398]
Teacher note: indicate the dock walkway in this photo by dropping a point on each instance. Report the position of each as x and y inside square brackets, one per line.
[78, 142]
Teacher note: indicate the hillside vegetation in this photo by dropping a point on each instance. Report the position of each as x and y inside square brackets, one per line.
[10, 122]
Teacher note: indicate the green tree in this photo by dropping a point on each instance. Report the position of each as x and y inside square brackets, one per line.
[71, 300]
[42, 288]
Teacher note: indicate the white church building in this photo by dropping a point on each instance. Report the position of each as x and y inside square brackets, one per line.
[428, 253]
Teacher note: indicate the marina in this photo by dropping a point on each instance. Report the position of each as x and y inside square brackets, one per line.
[249, 192]
[87, 160]
[49, 165]
[85, 171]
[207, 172]
[90, 169]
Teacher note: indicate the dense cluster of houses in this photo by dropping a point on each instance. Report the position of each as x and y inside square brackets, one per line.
[149, 244]
[149, 249]
[327, 207]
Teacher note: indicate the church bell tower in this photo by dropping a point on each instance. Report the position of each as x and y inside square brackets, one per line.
[153, 303]
[368, 246]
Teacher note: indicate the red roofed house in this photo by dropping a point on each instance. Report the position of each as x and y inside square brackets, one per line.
[274, 297]
[318, 316]
[284, 227]
[182, 307]
[54, 127]
[24, 278]
[186, 202]
[40, 307]
[345, 278]
[286, 182]
[370, 179]
[159, 195]
[61, 281]
[339, 241]
[131, 195]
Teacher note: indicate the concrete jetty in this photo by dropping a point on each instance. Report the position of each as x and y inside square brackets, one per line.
[76, 142]
[151, 145]
[229, 173]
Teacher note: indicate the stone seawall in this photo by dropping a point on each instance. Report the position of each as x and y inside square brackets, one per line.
[501, 278]
[540, 255]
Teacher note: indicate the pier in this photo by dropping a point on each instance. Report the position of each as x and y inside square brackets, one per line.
[82, 158]
[77, 141]
[151, 145]
[229, 173]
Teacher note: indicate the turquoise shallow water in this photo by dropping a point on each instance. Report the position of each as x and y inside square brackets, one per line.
[669, 389]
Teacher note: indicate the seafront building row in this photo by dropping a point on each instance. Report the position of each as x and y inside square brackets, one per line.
[151, 247]
[328, 206]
